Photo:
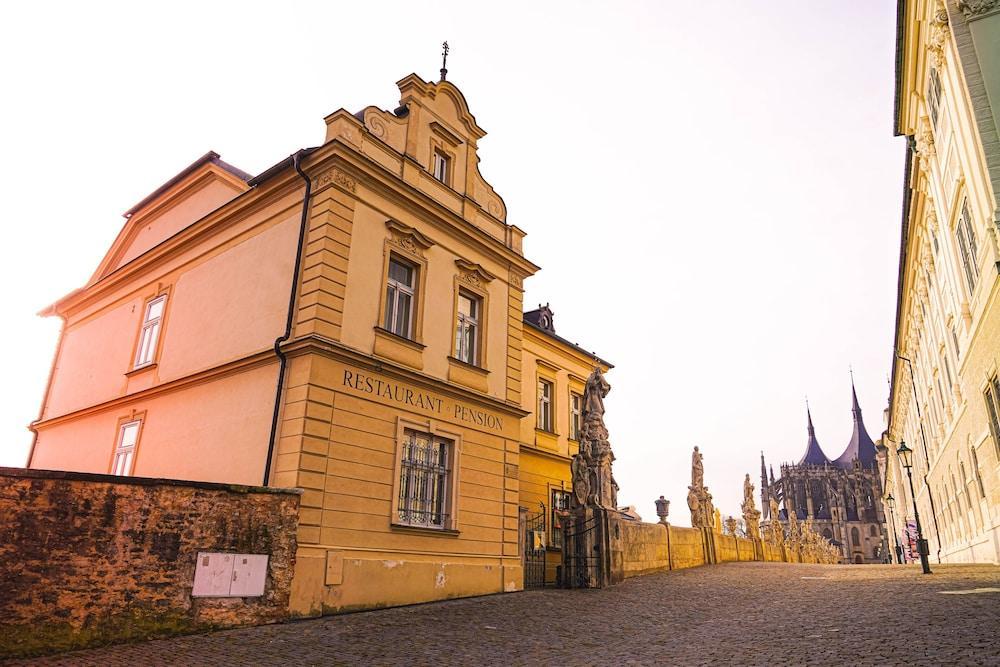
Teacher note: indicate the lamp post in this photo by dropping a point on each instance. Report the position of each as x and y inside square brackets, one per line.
[906, 456]
[891, 502]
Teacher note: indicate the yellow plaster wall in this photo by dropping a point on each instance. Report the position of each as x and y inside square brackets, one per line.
[339, 444]
[209, 431]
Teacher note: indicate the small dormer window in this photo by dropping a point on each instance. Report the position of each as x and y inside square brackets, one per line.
[442, 167]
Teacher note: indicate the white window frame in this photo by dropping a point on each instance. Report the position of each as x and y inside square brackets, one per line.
[441, 166]
[575, 415]
[424, 497]
[967, 247]
[124, 458]
[545, 404]
[468, 323]
[149, 334]
[934, 96]
[394, 290]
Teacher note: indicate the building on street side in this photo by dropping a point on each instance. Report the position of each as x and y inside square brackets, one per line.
[945, 393]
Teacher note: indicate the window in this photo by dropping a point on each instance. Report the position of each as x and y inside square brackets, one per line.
[934, 96]
[872, 531]
[560, 511]
[442, 167]
[152, 318]
[399, 297]
[575, 415]
[855, 537]
[979, 475]
[992, 396]
[545, 405]
[424, 480]
[967, 245]
[128, 437]
[467, 328]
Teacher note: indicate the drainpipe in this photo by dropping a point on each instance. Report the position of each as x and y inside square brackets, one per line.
[282, 358]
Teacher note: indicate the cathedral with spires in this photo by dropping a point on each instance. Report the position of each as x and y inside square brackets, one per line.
[839, 497]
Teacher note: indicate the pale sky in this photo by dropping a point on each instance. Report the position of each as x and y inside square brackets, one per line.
[712, 189]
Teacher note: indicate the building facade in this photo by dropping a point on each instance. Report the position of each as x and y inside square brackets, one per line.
[554, 373]
[945, 393]
[349, 323]
[840, 498]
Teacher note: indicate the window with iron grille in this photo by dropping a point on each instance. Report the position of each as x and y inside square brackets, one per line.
[400, 294]
[967, 246]
[545, 405]
[467, 328]
[560, 513]
[152, 317]
[128, 437]
[575, 413]
[934, 96]
[424, 480]
[992, 396]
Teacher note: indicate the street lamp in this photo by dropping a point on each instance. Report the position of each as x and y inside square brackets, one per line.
[906, 456]
[891, 502]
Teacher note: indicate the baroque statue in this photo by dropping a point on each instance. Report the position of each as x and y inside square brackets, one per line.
[593, 483]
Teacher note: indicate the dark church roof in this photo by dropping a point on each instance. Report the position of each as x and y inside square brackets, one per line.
[814, 456]
[861, 446]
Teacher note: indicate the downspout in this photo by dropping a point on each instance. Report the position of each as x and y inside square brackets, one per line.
[278, 342]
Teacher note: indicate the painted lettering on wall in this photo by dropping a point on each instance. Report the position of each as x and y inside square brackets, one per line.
[391, 391]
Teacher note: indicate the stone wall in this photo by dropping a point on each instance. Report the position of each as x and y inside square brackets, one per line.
[640, 548]
[91, 559]
[687, 547]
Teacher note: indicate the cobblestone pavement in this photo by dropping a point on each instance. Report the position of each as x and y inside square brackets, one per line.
[745, 613]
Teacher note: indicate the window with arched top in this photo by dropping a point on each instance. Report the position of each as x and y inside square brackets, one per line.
[872, 531]
[855, 537]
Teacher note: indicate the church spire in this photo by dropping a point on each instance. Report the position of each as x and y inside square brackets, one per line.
[814, 455]
[861, 447]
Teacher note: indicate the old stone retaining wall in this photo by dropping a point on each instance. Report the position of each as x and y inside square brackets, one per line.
[91, 559]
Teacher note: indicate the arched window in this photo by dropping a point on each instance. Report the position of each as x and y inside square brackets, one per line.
[975, 469]
[827, 534]
[855, 537]
[872, 531]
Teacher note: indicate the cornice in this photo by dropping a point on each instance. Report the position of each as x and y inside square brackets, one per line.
[256, 360]
[314, 344]
[546, 453]
[231, 213]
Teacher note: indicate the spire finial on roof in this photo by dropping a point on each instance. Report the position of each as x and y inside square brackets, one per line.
[809, 418]
[444, 60]
[855, 408]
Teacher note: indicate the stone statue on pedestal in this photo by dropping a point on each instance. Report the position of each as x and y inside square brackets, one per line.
[703, 514]
[593, 483]
[751, 515]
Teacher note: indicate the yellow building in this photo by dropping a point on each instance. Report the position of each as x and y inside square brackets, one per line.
[945, 394]
[348, 322]
[554, 372]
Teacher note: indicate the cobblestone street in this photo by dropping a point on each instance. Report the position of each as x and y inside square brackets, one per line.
[747, 613]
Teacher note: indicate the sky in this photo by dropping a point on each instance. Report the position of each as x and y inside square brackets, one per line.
[712, 189]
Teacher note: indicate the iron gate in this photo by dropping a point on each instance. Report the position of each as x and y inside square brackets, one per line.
[583, 538]
[534, 550]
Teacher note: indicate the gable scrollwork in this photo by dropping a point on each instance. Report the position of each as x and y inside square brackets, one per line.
[407, 238]
[976, 8]
[473, 274]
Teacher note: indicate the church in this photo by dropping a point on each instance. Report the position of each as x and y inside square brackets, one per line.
[840, 497]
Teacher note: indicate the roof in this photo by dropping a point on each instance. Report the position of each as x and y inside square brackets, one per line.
[211, 157]
[541, 320]
[860, 447]
[814, 455]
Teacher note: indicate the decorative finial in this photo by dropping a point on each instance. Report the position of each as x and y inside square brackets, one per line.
[444, 60]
